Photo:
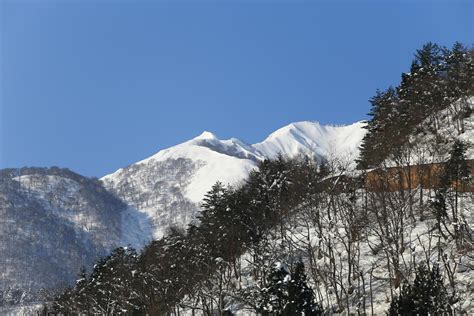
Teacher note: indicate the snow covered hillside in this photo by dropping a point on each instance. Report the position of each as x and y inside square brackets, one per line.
[169, 185]
[53, 222]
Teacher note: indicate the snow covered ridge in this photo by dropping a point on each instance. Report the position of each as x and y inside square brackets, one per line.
[168, 186]
[312, 138]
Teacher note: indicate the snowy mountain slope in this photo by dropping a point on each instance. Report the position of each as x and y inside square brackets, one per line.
[53, 222]
[311, 138]
[169, 185]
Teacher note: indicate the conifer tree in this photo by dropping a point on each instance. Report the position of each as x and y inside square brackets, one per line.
[458, 71]
[455, 176]
[460, 82]
[422, 91]
[456, 170]
[379, 139]
[275, 295]
[288, 293]
[426, 296]
[300, 295]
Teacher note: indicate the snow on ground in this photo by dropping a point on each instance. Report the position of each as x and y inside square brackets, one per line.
[137, 228]
[419, 242]
[24, 310]
[423, 151]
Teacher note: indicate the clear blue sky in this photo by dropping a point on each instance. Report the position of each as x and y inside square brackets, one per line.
[97, 85]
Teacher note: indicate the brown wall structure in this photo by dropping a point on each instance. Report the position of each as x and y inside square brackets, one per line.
[403, 178]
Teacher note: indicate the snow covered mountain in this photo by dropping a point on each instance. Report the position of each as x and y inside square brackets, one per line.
[53, 221]
[312, 138]
[169, 185]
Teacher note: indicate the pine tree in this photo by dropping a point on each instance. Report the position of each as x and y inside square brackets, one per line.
[456, 171]
[300, 295]
[82, 295]
[426, 296]
[460, 82]
[288, 293]
[458, 71]
[380, 139]
[423, 90]
[275, 295]
[455, 176]
[211, 219]
[220, 223]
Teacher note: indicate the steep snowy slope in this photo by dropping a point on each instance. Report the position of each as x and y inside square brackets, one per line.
[311, 138]
[169, 185]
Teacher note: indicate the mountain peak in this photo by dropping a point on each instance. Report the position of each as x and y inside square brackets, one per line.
[206, 135]
[313, 138]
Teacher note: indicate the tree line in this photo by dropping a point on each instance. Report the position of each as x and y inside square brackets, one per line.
[439, 79]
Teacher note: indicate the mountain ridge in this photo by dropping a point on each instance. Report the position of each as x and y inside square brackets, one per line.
[206, 136]
[207, 159]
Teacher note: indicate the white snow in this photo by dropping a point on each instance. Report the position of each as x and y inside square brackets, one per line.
[313, 138]
[230, 161]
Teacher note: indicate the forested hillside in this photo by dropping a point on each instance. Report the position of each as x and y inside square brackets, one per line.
[52, 222]
[314, 237]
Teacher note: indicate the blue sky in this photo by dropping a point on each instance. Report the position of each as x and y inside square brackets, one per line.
[97, 85]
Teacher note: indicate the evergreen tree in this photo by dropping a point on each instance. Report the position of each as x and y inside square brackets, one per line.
[214, 219]
[112, 282]
[426, 296]
[300, 295]
[458, 71]
[460, 82]
[455, 176]
[436, 80]
[275, 295]
[110, 289]
[456, 171]
[82, 295]
[380, 137]
[423, 90]
[288, 293]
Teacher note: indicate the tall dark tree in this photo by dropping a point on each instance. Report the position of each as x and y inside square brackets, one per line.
[422, 92]
[301, 299]
[458, 71]
[275, 295]
[460, 82]
[456, 175]
[456, 170]
[288, 293]
[382, 127]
